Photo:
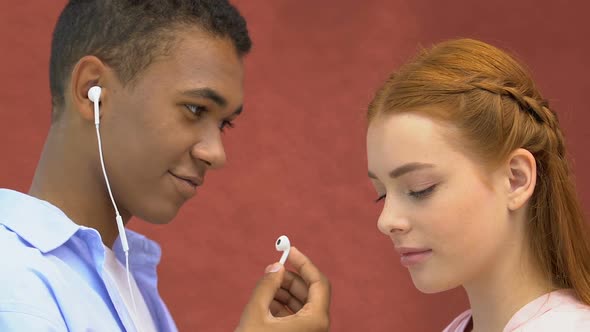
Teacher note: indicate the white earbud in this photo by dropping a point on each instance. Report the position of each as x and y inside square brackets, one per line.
[94, 96]
[283, 244]
[94, 93]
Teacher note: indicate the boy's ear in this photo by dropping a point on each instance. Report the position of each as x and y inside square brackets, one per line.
[88, 71]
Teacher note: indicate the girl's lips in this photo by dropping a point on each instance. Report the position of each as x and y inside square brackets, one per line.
[413, 256]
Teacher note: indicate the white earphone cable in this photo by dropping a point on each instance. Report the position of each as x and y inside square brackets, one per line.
[118, 216]
[104, 172]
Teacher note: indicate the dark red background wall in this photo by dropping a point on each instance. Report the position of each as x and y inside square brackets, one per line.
[297, 156]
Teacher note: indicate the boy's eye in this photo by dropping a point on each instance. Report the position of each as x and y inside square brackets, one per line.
[196, 109]
[199, 111]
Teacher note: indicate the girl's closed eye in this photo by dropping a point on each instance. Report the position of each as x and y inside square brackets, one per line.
[421, 194]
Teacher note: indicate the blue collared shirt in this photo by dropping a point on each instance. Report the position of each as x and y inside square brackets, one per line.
[52, 275]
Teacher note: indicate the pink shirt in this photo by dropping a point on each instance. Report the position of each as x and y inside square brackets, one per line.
[556, 311]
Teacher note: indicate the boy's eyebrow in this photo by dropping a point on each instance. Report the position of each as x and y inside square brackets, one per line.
[207, 93]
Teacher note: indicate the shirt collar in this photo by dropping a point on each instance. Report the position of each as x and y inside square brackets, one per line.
[541, 305]
[46, 227]
[38, 222]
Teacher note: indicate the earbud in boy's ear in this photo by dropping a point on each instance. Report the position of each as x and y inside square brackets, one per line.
[94, 96]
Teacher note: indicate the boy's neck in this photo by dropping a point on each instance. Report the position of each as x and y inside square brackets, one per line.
[66, 179]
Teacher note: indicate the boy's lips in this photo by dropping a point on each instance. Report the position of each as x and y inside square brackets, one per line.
[187, 184]
[194, 180]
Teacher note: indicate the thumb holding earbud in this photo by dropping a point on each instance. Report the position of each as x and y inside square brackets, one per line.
[267, 286]
[258, 306]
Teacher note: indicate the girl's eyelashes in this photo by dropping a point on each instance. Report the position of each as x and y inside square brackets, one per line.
[422, 194]
[380, 198]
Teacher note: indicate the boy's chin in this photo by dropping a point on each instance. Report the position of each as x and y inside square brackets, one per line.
[158, 216]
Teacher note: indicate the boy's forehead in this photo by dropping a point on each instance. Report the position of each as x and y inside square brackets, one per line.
[194, 46]
[198, 59]
[206, 53]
